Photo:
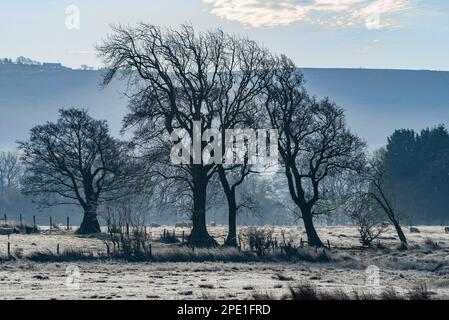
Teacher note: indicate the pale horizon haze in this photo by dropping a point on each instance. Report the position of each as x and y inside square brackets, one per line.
[379, 34]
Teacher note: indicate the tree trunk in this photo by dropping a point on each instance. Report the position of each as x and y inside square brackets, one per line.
[90, 223]
[200, 236]
[399, 231]
[231, 240]
[312, 236]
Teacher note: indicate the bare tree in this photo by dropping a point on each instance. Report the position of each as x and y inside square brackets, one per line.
[76, 160]
[179, 78]
[379, 192]
[314, 142]
[174, 75]
[242, 77]
[365, 214]
[10, 170]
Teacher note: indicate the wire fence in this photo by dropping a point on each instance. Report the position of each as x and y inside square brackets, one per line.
[39, 223]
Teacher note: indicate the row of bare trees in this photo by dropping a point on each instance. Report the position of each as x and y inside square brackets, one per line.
[176, 79]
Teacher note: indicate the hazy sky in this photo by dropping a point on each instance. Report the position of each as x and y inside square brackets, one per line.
[406, 34]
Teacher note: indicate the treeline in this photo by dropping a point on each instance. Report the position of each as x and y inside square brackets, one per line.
[20, 61]
[417, 165]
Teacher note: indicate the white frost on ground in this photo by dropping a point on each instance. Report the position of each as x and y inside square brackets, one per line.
[401, 270]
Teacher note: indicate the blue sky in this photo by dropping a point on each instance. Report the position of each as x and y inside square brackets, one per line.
[399, 34]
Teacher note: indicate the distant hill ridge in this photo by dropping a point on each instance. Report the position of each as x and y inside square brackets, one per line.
[376, 101]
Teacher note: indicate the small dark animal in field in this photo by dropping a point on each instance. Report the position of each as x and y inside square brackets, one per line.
[414, 230]
[183, 225]
[446, 229]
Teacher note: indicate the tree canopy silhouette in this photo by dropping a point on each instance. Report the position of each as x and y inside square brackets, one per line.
[314, 142]
[178, 78]
[73, 161]
[417, 166]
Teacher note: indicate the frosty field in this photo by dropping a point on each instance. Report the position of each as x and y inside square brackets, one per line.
[425, 263]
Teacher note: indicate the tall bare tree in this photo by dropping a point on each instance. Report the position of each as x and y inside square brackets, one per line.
[76, 160]
[314, 142]
[177, 78]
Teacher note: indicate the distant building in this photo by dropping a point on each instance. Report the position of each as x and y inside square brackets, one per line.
[87, 68]
[55, 66]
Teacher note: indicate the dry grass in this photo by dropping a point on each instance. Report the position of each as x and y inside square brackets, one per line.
[419, 292]
[307, 291]
[186, 254]
[229, 270]
[178, 253]
[430, 244]
[67, 255]
[162, 254]
[16, 227]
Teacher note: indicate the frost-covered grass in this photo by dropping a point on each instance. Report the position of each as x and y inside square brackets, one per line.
[37, 271]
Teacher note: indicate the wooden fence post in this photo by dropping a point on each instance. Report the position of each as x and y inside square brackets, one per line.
[57, 249]
[328, 244]
[183, 236]
[68, 223]
[9, 250]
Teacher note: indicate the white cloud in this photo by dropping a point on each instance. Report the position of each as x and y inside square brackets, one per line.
[373, 14]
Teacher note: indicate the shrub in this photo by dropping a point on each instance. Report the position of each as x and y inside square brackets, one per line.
[169, 238]
[259, 240]
[367, 219]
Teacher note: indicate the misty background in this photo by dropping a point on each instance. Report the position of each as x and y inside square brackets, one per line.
[377, 102]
